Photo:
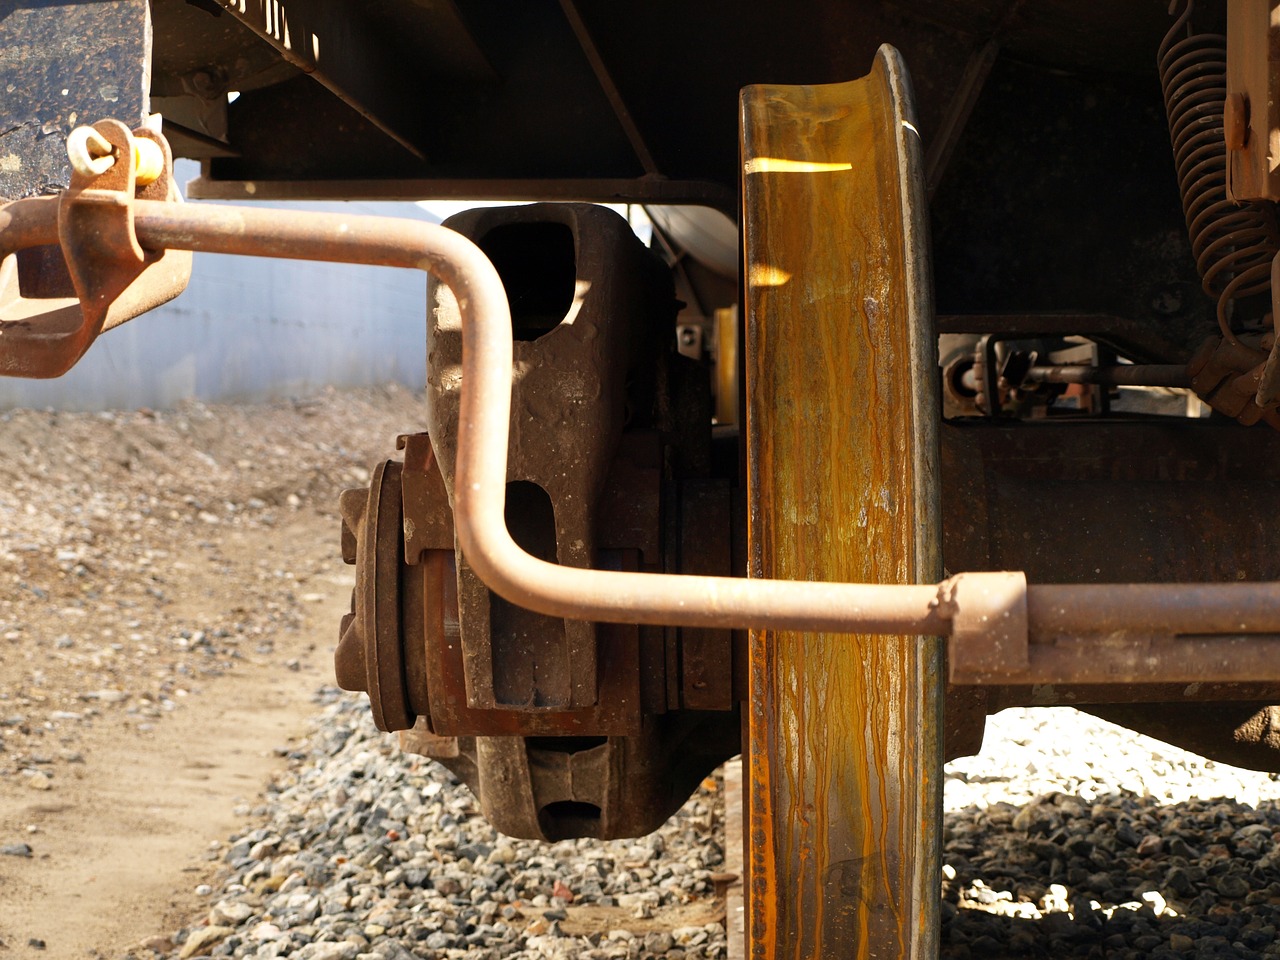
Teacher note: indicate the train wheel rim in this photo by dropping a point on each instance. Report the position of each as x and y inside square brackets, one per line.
[845, 742]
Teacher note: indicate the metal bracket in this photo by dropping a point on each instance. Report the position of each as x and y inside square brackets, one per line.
[44, 332]
[988, 626]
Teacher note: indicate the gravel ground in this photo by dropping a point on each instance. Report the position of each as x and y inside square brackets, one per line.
[1070, 836]
[171, 586]
[144, 553]
[150, 554]
[361, 851]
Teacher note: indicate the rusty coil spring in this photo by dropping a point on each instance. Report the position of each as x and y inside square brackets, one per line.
[1233, 244]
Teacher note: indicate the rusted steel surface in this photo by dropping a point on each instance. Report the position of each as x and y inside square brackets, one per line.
[845, 732]
[1088, 633]
[550, 774]
[617, 713]
[600, 595]
[484, 412]
[428, 521]
[603, 595]
[997, 644]
[707, 601]
[49, 317]
[1058, 611]
[1153, 486]
[370, 654]
[1098, 658]
[590, 308]
[1196, 633]
[401, 644]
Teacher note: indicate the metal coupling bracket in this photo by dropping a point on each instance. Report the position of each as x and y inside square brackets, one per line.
[54, 304]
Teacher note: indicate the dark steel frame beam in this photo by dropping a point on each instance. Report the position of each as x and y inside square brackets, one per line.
[338, 48]
[625, 119]
[691, 192]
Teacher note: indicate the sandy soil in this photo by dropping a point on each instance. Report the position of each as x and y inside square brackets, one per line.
[171, 593]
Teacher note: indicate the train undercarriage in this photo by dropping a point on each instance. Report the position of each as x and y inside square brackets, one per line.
[950, 388]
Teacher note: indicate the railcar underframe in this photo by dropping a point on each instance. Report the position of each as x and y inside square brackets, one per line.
[946, 389]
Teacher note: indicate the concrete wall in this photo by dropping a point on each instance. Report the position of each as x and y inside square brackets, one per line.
[249, 328]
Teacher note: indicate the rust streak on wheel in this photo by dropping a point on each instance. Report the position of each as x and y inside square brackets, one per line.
[845, 751]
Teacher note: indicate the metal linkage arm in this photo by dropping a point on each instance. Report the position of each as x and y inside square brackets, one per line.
[480, 485]
[990, 616]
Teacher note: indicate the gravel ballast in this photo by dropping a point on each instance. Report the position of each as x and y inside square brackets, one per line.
[156, 560]
[361, 851]
[1068, 836]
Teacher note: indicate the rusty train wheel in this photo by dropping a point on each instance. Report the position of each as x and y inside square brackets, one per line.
[844, 732]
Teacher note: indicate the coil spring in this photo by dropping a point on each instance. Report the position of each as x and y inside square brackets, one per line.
[1233, 244]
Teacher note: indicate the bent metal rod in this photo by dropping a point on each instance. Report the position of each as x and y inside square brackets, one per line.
[973, 604]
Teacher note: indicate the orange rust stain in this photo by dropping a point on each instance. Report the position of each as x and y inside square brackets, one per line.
[843, 730]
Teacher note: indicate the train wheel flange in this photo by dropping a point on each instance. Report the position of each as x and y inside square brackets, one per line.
[845, 731]
[370, 655]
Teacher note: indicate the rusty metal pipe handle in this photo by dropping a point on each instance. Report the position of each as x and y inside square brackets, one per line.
[28, 223]
[977, 605]
[480, 481]
[1153, 609]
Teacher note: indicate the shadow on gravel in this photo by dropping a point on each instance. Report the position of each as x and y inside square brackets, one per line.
[1123, 876]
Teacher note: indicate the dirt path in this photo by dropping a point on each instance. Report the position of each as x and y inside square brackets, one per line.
[116, 852]
[171, 597]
